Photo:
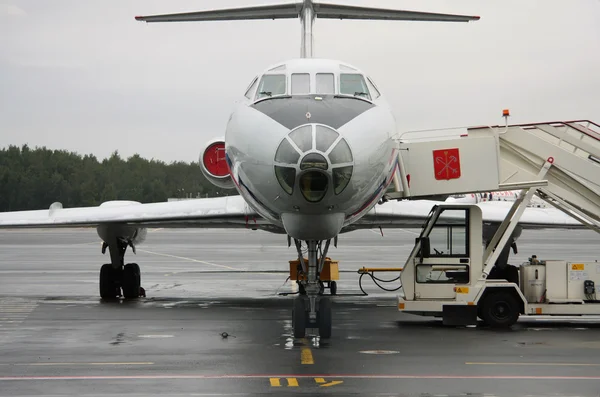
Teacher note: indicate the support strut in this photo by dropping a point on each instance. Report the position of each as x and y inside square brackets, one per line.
[316, 310]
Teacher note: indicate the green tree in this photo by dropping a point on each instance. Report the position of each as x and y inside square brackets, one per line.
[35, 178]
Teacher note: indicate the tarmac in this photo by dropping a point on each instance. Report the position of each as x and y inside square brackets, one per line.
[216, 321]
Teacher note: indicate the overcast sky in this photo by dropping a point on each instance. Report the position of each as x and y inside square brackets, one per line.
[85, 76]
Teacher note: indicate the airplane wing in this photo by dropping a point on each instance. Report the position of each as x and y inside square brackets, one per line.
[411, 214]
[234, 212]
[219, 212]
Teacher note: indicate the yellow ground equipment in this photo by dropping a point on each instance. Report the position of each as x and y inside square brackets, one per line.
[328, 275]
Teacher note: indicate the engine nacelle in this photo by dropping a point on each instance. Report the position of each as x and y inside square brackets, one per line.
[112, 231]
[214, 165]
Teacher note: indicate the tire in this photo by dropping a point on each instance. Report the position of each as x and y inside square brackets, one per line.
[333, 288]
[108, 285]
[325, 318]
[131, 281]
[500, 309]
[299, 317]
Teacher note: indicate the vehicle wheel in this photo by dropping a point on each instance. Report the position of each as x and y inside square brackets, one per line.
[500, 309]
[131, 281]
[333, 287]
[299, 318]
[108, 285]
[325, 318]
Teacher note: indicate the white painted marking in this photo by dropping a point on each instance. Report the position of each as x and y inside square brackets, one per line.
[187, 259]
[155, 336]
[379, 352]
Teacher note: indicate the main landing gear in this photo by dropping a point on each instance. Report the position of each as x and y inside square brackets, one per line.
[311, 309]
[117, 277]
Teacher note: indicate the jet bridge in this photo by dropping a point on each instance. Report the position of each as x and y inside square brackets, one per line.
[559, 160]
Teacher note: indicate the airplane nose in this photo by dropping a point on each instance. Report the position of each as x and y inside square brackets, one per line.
[314, 157]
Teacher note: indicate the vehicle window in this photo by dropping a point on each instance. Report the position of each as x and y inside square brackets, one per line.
[341, 153]
[353, 84]
[374, 91]
[448, 237]
[454, 274]
[325, 138]
[303, 138]
[286, 153]
[325, 83]
[341, 177]
[300, 83]
[251, 88]
[271, 85]
[286, 177]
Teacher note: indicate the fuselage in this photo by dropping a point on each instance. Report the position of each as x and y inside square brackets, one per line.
[309, 147]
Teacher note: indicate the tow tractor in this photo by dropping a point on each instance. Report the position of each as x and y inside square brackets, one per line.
[457, 269]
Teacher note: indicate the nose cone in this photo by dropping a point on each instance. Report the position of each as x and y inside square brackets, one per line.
[315, 160]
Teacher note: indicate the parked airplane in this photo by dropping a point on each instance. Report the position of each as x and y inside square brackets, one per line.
[309, 150]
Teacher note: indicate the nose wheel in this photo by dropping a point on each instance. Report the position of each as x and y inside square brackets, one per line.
[301, 320]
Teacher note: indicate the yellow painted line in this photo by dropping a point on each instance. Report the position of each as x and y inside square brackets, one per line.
[320, 380]
[275, 382]
[292, 382]
[188, 259]
[58, 364]
[542, 364]
[306, 356]
[333, 383]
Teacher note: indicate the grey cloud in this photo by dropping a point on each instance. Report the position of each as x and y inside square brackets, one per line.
[86, 76]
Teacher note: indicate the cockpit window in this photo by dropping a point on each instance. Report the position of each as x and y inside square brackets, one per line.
[251, 88]
[374, 91]
[325, 83]
[300, 83]
[271, 85]
[353, 84]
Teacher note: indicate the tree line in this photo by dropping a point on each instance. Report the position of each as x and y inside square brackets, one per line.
[35, 178]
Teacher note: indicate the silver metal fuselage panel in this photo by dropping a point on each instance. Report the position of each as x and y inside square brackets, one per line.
[257, 127]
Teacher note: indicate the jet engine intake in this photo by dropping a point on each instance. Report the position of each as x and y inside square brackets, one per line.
[214, 164]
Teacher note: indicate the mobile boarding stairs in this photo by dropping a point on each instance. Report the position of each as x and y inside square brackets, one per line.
[450, 273]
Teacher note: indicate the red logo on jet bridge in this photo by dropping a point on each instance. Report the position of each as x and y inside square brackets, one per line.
[446, 164]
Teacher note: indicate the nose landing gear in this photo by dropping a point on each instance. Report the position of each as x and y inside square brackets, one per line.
[311, 309]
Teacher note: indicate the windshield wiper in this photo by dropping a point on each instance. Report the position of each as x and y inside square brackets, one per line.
[269, 93]
[360, 93]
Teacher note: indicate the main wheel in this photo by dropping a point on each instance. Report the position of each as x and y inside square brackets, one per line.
[325, 318]
[500, 309]
[108, 282]
[131, 281]
[299, 317]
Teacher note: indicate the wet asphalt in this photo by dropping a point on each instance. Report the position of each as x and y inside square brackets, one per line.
[215, 322]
